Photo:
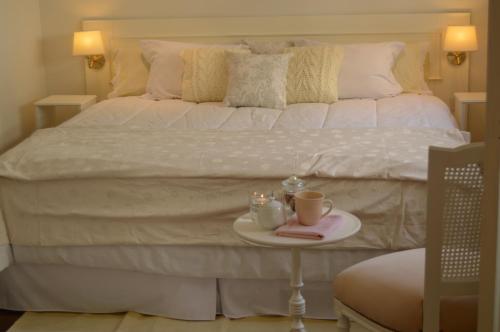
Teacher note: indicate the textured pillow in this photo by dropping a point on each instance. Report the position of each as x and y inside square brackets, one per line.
[268, 46]
[165, 75]
[313, 74]
[366, 70]
[205, 74]
[257, 80]
[129, 72]
[409, 68]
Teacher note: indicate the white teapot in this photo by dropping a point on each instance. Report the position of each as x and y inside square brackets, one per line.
[271, 215]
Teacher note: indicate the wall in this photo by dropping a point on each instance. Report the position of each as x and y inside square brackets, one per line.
[61, 17]
[477, 117]
[21, 67]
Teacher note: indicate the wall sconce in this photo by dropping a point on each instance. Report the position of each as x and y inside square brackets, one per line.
[457, 41]
[89, 44]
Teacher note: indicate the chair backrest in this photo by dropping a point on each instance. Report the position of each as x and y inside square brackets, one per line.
[454, 215]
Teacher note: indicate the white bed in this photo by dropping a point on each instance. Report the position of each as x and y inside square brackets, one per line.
[128, 206]
[116, 219]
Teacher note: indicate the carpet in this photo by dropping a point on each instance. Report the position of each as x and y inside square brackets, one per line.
[133, 322]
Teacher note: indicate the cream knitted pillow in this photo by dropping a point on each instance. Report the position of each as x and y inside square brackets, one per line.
[313, 74]
[205, 74]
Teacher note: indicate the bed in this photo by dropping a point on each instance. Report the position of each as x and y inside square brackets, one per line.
[129, 205]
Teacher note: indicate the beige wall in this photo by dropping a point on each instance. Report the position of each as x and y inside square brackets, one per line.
[65, 74]
[21, 67]
[477, 124]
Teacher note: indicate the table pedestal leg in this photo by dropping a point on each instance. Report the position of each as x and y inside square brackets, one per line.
[297, 304]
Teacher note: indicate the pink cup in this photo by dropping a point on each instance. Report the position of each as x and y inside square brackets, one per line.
[309, 207]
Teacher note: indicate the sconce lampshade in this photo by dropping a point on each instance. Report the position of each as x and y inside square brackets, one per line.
[88, 43]
[460, 39]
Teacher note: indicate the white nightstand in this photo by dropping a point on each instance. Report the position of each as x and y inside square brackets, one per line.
[462, 100]
[78, 102]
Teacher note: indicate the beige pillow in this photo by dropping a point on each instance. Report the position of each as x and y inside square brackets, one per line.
[409, 68]
[129, 72]
[257, 80]
[313, 74]
[205, 74]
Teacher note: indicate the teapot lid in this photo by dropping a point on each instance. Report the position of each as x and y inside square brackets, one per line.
[293, 183]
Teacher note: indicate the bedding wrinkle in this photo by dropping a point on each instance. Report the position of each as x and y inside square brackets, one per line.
[324, 119]
[278, 119]
[226, 120]
[4, 234]
[181, 116]
[400, 224]
[135, 114]
[146, 109]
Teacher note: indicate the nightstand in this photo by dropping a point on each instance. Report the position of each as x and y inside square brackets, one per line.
[462, 100]
[63, 102]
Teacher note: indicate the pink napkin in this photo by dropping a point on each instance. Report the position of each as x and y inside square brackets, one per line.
[324, 228]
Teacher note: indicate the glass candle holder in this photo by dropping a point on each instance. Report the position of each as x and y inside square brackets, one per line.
[257, 201]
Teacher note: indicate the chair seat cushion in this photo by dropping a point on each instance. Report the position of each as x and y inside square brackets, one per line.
[389, 290]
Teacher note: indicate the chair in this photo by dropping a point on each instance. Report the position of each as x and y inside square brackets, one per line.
[432, 289]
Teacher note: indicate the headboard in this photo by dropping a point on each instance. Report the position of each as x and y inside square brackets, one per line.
[443, 78]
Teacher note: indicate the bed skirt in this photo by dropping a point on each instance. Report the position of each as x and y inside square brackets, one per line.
[36, 287]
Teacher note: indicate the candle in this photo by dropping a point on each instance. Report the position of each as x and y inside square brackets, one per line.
[257, 201]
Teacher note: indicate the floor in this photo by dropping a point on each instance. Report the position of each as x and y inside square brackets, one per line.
[7, 318]
[133, 322]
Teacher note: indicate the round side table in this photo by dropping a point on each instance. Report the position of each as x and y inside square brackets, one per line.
[253, 234]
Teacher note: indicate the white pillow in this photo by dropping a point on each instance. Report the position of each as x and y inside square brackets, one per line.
[366, 70]
[167, 67]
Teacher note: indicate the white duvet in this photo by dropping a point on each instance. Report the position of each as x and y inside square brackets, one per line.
[406, 110]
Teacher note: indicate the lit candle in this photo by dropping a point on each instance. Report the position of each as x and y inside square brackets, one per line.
[260, 199]
[257, 201]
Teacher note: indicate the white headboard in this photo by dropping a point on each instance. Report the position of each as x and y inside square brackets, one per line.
[443, 78]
